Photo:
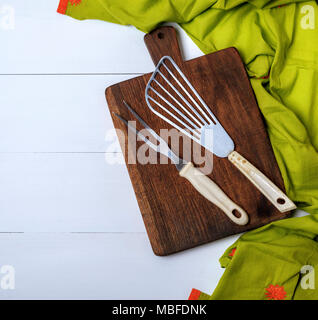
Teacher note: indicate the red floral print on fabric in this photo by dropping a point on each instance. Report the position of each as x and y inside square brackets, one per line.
[232, 253]
[195, 294]
[75, 2]
[275, 292]
[64, 3]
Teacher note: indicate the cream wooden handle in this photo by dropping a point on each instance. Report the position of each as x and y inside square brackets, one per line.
[276, 196]
[211, 191]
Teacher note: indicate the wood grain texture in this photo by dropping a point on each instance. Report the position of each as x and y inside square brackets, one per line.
[176, 216]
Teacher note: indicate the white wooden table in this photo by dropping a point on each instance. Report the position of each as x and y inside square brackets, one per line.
[70, 224]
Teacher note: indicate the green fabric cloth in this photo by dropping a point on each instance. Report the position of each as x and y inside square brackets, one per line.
[278, 42]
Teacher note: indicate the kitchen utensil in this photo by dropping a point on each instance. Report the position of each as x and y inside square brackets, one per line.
[185, 110]
[205, 186]
[175, 215]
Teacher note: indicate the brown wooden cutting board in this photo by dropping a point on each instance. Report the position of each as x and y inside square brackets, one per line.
[176, 216]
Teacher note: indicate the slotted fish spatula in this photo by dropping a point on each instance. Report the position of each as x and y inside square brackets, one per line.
[171, 96]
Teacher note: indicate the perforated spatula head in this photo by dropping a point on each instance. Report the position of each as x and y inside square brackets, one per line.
[171, 96]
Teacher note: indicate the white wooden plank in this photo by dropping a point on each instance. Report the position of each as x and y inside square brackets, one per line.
[105, 266]
[54, 113]
[66, 193]
[54, 43]
[43, 41]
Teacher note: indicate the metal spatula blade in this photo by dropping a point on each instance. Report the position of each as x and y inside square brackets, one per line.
[171, 96]
[183, 108]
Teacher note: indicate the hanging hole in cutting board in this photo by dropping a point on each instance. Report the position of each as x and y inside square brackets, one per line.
[161, 35]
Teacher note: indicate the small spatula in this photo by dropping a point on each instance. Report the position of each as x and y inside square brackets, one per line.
[186, 111]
